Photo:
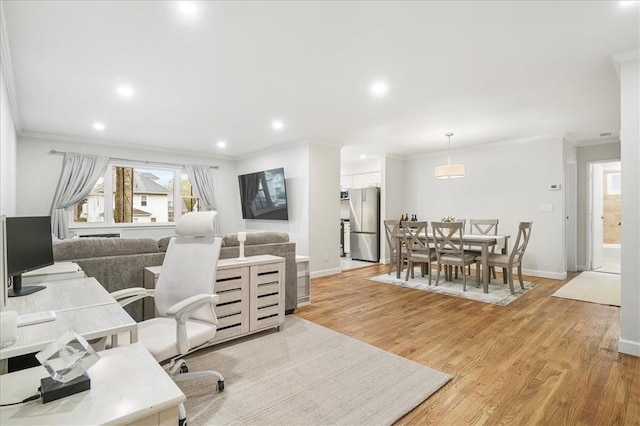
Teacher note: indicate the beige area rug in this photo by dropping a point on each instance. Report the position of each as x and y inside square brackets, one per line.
[306, 375]
[594, 287]
[499, 293]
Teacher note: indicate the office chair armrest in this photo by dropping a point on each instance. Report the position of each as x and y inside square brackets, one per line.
[129, 295]
[183, 309]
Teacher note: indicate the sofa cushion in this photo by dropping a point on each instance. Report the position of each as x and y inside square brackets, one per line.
[256, 238]
[83, 248]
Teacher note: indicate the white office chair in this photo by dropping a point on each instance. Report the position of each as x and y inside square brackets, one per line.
[184, 298]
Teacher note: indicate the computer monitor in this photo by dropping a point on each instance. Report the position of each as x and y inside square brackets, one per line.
[28, 246]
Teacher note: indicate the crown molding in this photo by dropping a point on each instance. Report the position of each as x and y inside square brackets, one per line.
[627, 55]
[286, 145]
[621, 57]
[7, 72]
[117, 144]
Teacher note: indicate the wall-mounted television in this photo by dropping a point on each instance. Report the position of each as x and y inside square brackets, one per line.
[264, 195]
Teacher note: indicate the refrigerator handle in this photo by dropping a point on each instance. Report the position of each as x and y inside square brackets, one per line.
[364, 196]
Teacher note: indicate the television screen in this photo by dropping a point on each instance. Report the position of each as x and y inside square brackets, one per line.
[264, 195]
[29, 246]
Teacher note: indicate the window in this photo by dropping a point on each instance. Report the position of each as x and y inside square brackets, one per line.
[138, 195]
[613, 183]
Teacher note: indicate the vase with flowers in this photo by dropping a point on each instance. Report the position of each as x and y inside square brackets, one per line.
[448, 219]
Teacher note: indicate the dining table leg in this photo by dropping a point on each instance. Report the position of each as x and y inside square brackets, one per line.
[398, 257]
[504, 270]
[485, 267]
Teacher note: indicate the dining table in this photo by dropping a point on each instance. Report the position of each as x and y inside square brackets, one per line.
[472, 240]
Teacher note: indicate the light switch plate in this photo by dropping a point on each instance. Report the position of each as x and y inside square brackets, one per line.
[554, 187]
[546, 207]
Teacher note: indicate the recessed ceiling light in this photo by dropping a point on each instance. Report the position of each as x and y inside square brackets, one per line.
[98, 126]
[187, 8]
[379, 89]
[363, 156]
[221, 144]
[627, 3]
[277, 125]
[125, 91]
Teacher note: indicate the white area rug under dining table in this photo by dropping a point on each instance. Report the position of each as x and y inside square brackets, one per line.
[499, 293]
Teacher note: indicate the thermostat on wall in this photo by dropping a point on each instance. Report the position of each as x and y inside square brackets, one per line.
[554, 187]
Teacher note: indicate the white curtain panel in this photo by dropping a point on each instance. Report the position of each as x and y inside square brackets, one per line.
[202, 182]
[80, 173]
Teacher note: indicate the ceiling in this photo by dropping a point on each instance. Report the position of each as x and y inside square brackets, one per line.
[487, 71]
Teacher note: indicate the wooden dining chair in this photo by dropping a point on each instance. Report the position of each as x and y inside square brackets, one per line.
[418, 250]
[450, 252]
[391, 231]
[513, 260]
[483, 227]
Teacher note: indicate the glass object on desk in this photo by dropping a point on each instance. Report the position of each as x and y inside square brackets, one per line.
[68, 357]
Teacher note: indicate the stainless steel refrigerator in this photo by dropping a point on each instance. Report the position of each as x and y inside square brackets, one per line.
[364, 205]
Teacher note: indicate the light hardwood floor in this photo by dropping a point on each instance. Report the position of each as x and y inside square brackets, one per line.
[539, 360]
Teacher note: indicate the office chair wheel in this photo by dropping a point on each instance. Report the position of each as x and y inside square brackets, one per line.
[184, 369]
[220, 385]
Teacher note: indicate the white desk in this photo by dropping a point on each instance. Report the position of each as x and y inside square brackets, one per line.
[62, 295]
[127, 386]
[81, 304]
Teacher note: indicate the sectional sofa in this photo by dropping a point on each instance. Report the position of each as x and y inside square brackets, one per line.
[119, 263]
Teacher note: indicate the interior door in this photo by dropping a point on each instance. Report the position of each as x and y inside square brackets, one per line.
[597, 215]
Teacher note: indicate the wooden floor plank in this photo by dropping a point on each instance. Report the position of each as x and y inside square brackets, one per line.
[539, 360]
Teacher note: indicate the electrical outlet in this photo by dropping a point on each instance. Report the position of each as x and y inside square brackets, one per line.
[326, 257]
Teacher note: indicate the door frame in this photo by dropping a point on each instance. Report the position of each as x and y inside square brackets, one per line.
[571, 213]
[589, 222]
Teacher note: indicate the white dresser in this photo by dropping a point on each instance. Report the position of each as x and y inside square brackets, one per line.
[251, 295]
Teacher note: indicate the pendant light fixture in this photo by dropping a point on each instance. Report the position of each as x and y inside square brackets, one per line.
[449, 171]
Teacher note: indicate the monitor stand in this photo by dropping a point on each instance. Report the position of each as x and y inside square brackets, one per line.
[16, 288]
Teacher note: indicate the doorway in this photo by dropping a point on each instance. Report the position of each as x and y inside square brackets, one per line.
[605, 221]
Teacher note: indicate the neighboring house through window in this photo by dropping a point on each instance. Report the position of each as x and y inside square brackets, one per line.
[137, 195]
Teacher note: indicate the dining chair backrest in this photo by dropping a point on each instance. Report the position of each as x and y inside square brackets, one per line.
[415, 236]
[444, 234]
[483, 226]
[391, 230]
[524, 232]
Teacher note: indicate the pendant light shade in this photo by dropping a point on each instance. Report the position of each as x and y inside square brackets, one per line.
[449, 171]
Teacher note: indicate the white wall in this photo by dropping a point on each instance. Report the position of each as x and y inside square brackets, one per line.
[354, 167]
[392, 195]
[312, 175]
[7, 173]
[324, 210]
[8, 141]
[38, 173]
[295, 161]
[630, 149]
[504, 181]
[587, 154]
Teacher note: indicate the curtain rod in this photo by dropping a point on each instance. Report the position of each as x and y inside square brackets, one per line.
[148, 163]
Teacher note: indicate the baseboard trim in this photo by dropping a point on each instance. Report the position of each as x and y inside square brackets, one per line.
[325, 272]
[629, 347]
[545, 274]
